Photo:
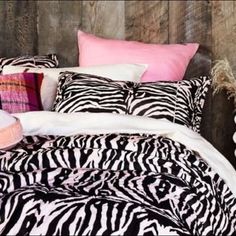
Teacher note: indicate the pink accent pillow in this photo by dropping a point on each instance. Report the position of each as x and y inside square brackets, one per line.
[20, 92]
[10, 130]
[166, 62]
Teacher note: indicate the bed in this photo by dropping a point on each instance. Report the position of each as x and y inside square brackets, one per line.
[106, 156]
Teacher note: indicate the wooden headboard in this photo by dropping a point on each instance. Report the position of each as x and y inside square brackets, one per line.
[39, 27]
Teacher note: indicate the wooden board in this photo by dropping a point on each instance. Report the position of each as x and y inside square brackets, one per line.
[58, 22]
[18, 28]
[104, 18]
[147, 22]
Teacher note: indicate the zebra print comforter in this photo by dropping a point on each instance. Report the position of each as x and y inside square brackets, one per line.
[111, 184]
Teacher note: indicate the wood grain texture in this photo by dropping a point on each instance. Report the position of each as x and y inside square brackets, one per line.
[104, 18]
[190, 21]
[18, 28]
[58, 23]
[147, 22]
[223, 45]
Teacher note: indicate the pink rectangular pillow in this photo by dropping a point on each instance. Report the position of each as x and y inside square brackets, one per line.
[166, 62]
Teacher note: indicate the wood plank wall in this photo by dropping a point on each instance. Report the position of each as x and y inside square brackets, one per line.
[38, 27]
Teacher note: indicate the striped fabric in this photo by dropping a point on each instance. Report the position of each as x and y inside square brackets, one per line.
[180, 102]
[111, 184]
[45, 61]
[20, 92]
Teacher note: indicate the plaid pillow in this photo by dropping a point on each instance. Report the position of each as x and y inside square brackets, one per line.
[20, 92]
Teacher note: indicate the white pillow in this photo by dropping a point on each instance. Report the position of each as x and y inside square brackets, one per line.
[126, 72]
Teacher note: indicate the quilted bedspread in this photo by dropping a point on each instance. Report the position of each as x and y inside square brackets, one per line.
[111, 184]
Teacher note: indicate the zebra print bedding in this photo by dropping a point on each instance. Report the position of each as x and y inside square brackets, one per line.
[111, 184]
[180, 102]
[45, 61]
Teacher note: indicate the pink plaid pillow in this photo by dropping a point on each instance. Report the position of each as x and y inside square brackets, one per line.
[20, 92]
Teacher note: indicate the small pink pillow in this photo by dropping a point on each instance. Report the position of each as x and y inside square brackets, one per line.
[10, 130]
[165, 61]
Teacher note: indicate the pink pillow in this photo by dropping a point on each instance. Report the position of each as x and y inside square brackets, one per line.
[165, 61]
[10, 130]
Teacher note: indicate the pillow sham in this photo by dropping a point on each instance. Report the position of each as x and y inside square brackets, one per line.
[47, 61]
[20, 92]
[132, 72]
[180, 102]
[165, 61]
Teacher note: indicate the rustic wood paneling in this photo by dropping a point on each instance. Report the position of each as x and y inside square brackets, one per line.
[18, 28]
[223, 45]
[58, 23]
[104, 18]
[147, 22]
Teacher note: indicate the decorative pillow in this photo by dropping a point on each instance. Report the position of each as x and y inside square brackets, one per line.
[10, 130]
[132, 72]
[180, 102]
[20, 92]
[88, 93]
[46, 61]
[168, 62]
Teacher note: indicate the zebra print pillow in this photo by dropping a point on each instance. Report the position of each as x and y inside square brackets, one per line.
[180, 102]
[90, 93]
[46, 61]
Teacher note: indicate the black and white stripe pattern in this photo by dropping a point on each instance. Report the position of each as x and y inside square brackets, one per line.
[180, 102]
[111, 185]
[44, 61]
[83, 93]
